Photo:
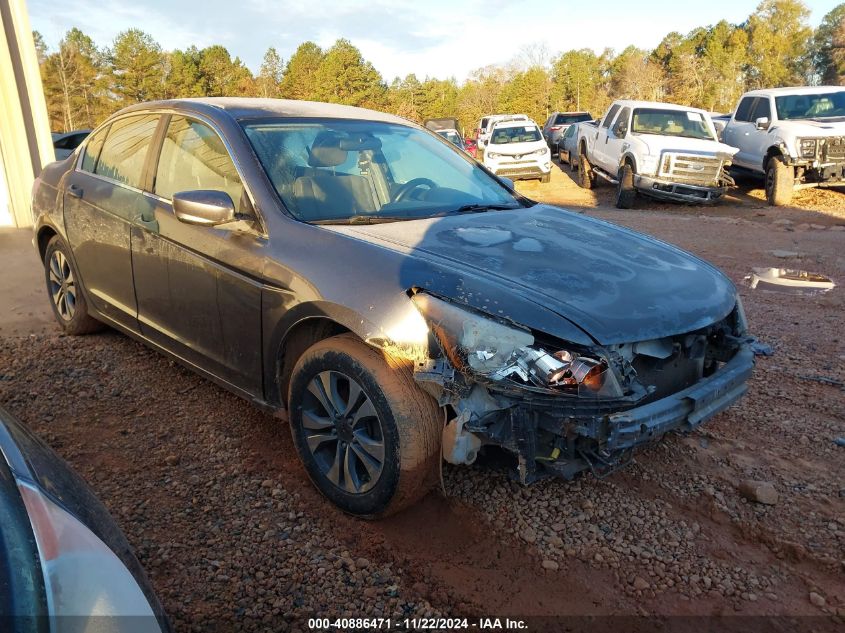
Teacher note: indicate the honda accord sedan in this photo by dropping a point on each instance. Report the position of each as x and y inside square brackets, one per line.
[399, 301]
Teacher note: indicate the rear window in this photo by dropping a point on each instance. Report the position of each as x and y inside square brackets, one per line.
[520, 134]
[743, 112]
[92, 150]
[125, 150]
[569, 119]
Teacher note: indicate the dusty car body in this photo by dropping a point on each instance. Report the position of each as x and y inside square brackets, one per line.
[64, 558]
[564, 339]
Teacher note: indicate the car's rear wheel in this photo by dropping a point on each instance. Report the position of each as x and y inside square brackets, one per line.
[586, 179]
[625, 191]
[64, 288]
[368, 436]
[779, 182]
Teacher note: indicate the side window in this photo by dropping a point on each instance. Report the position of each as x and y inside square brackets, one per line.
[610, 114]
[194, 157]
[743, 111]
[761, 109]
[125, 150]
[92, 150]
[621, 125]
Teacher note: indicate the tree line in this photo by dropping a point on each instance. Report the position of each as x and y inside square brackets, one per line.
[710, 67]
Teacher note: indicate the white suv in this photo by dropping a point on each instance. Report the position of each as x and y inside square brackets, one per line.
[794, 136]
[485, 126]
[516, 149]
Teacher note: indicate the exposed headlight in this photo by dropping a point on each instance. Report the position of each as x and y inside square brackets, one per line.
[542, 150]
[482, 346]
[493, 155]
[807, 147]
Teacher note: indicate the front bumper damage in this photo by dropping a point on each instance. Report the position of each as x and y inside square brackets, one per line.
[552, 435]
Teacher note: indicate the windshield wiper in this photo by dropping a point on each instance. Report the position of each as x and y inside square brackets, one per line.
[480, 208]
[363, 219]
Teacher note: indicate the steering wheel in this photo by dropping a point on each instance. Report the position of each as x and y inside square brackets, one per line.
[405, 190]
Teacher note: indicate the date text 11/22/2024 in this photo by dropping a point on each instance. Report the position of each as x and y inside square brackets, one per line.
[416, 624]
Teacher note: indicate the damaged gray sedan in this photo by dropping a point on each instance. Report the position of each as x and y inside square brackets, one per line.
[403, 304]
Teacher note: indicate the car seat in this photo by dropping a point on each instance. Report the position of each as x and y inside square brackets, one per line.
[324, 194]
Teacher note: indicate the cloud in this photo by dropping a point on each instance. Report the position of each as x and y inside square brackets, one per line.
[53, 19]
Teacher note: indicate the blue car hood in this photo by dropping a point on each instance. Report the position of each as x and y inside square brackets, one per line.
[615, 284]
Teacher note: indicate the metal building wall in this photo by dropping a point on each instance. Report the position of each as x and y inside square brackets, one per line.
[25, 143]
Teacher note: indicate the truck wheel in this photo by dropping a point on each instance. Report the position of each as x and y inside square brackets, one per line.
[65, 289]
[779, 182]
[625, 192]
[586, 179]
[368, 436]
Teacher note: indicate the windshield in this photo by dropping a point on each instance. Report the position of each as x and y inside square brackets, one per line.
[821, 106]
[516, 134]
[569, 119]
[452, 136]
[684, 123]
[347, 170]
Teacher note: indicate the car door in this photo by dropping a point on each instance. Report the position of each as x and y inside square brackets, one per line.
[102, 198]
[601, 139]
[740, 133]
[198, 288]
[615, 141]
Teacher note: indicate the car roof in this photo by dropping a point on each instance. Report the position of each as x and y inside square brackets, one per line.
[249, 108]
[797, 90]
[519, 123]
[630, 103]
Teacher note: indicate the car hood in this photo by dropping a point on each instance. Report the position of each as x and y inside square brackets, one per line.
[658, 143]
[822, 127]
[616, 285]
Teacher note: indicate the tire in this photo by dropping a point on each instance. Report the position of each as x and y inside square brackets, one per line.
[780, 182]
[625, 192]
[394, 420]
[545, 178]
[586, 179]
[64, 288]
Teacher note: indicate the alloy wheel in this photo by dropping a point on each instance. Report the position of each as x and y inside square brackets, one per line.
[343, 432]
[62, 285]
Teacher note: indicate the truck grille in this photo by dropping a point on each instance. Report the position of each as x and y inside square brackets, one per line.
[835, 148]
[692, 169]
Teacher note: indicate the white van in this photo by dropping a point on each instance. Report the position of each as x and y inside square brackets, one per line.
[517, 150]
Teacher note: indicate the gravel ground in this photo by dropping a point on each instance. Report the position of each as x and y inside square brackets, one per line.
[210, 492]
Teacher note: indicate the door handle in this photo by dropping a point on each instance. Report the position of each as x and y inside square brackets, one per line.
[74, 191]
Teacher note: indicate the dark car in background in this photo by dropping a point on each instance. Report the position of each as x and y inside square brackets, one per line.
[402, 303]
[557, 124]
[64, 563]
[65, 142]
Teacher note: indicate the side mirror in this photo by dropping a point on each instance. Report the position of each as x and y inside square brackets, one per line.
[203, 207]
[507, 182]
[762, 123]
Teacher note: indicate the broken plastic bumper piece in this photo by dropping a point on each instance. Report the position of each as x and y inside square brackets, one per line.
[685, 410]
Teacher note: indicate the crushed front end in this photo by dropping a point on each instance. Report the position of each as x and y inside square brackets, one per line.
[563, 408]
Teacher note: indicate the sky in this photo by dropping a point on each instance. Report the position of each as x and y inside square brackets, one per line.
[435, 38]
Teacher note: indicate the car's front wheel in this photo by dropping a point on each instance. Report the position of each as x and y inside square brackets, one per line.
[625, 191]
[368, 436]
[63, 286]
[779, 182]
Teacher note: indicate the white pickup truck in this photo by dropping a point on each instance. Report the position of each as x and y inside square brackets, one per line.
[658, 149]
[793, 136]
